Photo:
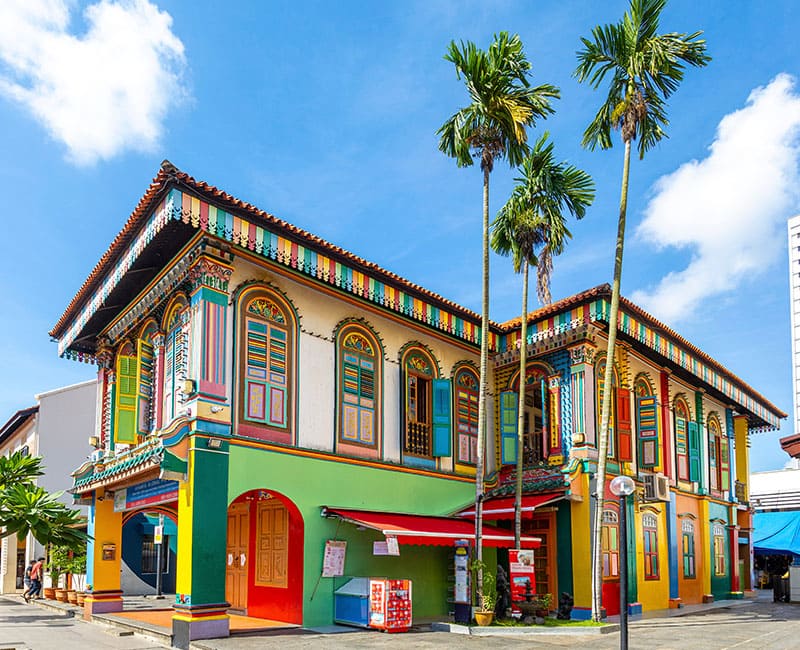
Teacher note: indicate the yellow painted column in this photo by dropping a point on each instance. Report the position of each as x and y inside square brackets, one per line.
[105, 556]
[581, 546]
[742, 453]
[705, 548]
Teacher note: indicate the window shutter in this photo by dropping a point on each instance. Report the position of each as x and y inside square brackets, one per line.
[125, 402]
[441, 417]
[694, 451]
[509, 405]
[144, 387]
[624, 425]
[724, 462]
[647, 427]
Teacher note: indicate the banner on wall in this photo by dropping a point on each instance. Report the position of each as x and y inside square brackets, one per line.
[333, 560]
[149, 493]
[522, 573]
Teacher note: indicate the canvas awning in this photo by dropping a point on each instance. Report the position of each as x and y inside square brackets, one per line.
[777, 532]
[427, 530]
[499, 508]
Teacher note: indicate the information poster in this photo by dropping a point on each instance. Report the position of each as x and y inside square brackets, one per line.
[461, 591]
[149, 493]
[522, 573]
[333, 560]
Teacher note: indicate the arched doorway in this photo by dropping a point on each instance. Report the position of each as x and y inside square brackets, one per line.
[141, 555]
[264, 557]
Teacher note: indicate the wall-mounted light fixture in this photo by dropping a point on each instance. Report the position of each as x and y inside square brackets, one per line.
[215, 443]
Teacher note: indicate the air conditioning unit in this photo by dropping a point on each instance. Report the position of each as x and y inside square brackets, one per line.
[656, 487]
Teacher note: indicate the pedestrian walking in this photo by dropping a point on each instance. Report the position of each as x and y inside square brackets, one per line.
[27, 579]
[37, 571]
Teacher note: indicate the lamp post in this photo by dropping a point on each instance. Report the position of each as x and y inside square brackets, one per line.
[622, 487]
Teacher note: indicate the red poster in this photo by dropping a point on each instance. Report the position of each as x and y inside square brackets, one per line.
[521, 573]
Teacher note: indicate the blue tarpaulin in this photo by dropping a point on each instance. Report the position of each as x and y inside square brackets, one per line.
[777, 532]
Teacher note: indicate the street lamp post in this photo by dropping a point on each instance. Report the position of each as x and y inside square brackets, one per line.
[622, 487]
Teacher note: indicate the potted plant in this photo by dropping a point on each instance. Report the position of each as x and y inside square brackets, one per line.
[543, 603]
[56, 563]
[77, 570]
[484, 614]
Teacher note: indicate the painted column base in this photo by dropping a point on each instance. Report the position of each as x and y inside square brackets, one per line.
[708, 598]
[585, 613]
[675, 603]
[102, 602]
[737, 595]
[190, 623]
[634, 609]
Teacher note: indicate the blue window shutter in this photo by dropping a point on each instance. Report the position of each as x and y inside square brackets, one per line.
[441, 417]
[509, 404]
[694, 452]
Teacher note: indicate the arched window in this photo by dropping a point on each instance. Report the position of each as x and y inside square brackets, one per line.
[359, 379]
[466, 389]
[718, 532]
[619, 423]
[646, 424]
[609, 541]
[687, 545]
[718, 461]
[176, 360]
[650, 546]
[682, 422]
[266, 364]
[420, 372]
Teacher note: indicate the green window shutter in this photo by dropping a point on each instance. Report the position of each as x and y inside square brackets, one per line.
[724, 461]
[144, 387]
[441, 417]
[694, 451]
[509, 405]
[125, 400]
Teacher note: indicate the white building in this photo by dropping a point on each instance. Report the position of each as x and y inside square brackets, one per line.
[57, 428]
[794, 284]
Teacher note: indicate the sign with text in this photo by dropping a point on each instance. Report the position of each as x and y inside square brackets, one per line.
[149, 493]
[522, 573]
[461, 590]
[333, 560]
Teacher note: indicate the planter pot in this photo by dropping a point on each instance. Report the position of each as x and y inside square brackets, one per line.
[50, 593]
[61, 595]
[72, 597]
[484, 618]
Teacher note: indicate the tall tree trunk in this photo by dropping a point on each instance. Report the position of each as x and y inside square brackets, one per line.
[605, 413]
[482, 394]
[523, 359]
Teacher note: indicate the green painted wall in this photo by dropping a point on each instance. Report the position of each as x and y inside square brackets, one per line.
[564, 547]
[311, 483]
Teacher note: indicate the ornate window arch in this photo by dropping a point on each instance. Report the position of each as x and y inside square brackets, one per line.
[688, 548]
[176, 358]
[650, 546]
[718, 455]
[609, 541]
[465, 386]
[359, 388]
[266, 362]
[419, 372]
[646, 423]
[683, 421]
[619, 423]
[541, 417]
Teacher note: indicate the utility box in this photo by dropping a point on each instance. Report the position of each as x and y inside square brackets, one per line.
[351, 603]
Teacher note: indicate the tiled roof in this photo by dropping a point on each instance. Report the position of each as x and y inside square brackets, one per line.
[135, 458]
[534, 480]
[169, 175]
[16, 421]
[603, 291]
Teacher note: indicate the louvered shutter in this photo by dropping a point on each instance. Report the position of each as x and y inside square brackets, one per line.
[724, 461]
[441, 417]
[694, 451]
[647, 428]
[125, 402]
[144, 387]
[624, 452]
[508, 427]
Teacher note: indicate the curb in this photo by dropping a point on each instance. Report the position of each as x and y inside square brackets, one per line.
[540, 630]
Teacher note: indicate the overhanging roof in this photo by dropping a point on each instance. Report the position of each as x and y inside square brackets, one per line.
[426, 530]
[16, 421]
[503, 507]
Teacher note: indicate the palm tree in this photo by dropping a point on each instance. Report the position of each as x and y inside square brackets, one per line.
[645, 68]
[532, 227]
[493, 126]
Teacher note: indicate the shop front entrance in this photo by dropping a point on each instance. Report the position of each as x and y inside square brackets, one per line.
[264, 557]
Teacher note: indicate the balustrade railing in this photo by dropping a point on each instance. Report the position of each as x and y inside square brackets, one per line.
[418, 438]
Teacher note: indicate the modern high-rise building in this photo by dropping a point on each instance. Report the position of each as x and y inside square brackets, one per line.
[791, 443]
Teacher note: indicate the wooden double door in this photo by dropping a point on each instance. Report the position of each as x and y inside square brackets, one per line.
[270, 549]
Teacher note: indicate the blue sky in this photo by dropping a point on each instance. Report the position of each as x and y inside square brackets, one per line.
[325, 115]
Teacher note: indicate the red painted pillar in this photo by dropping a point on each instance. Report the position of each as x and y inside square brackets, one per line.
[666, 426]
[734, 541]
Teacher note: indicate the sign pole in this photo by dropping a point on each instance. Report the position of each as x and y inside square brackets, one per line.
[158, 539]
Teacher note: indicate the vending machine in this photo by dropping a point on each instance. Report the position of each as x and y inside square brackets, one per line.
[390, 604]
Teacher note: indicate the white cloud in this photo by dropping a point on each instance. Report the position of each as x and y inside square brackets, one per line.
[101, 92]
[730, 208]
